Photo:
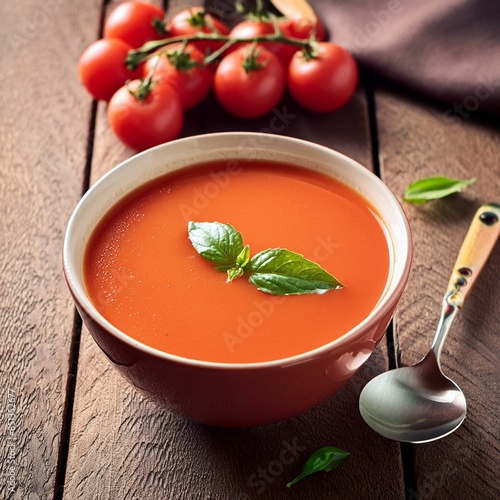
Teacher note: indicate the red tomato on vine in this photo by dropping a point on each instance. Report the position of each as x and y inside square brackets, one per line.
[135, 23]
[300, 27]
[194, 20]
[144, 116]
[249, 82]
[324, 81]
[254, 28]
[102, 68]
[183, 69]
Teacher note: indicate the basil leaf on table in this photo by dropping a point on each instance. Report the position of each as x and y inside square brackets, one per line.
[433, 188]
[281, 272]
[324, 459]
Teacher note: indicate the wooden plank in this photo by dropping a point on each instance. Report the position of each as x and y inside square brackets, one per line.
[44, 121]
[123, 446]
[419, 140]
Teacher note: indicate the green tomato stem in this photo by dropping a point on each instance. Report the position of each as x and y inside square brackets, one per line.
[136, 56]
[198, 19]
[160, 26]
[251, 61]
[146, 85]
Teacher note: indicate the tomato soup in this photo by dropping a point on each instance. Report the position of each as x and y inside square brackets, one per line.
[145, 277]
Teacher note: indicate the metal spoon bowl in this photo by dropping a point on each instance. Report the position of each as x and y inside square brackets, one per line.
[418, 404]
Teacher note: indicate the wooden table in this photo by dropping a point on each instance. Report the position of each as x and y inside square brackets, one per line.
[72, 428]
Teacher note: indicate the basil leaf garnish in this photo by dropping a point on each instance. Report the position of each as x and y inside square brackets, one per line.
[216, 242]
[325, 459]
[241, 262]
[433, 188]
[281, 272]
[277, 271]
[244, 257]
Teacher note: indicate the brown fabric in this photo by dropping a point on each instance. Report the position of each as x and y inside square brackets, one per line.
[445, 49]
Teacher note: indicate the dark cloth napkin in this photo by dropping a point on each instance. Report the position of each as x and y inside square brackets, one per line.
[445, 49]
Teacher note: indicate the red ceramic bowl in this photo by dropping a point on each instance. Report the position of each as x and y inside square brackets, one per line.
[248, 393]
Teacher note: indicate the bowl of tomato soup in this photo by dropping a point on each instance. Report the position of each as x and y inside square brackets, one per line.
[225, 352]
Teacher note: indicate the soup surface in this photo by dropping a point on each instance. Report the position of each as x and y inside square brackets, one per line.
[144, 276]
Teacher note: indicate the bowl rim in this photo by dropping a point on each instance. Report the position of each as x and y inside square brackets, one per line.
[380, 309]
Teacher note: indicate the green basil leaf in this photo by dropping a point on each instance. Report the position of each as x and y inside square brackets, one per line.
[325, 459]
[433, 188]
[241, 262]
[244, 257]
[276, 271]
[216, 242]
[280, 272]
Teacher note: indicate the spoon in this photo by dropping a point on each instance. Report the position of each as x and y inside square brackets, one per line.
[418, 404]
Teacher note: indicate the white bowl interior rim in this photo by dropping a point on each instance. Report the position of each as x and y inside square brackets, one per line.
[155, 162]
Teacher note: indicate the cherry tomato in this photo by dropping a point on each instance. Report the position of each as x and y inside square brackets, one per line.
[299, 27]
[183, 71]
[102, 67]
[252, 92]
[253, 28]
[326, 82]
[195, 20]
[133, 22]
[141, 124]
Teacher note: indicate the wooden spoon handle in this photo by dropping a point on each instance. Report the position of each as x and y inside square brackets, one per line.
[476, 248]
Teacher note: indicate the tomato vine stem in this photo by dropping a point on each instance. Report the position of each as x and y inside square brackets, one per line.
[145, 86]
[251, 61]
[136, 56]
